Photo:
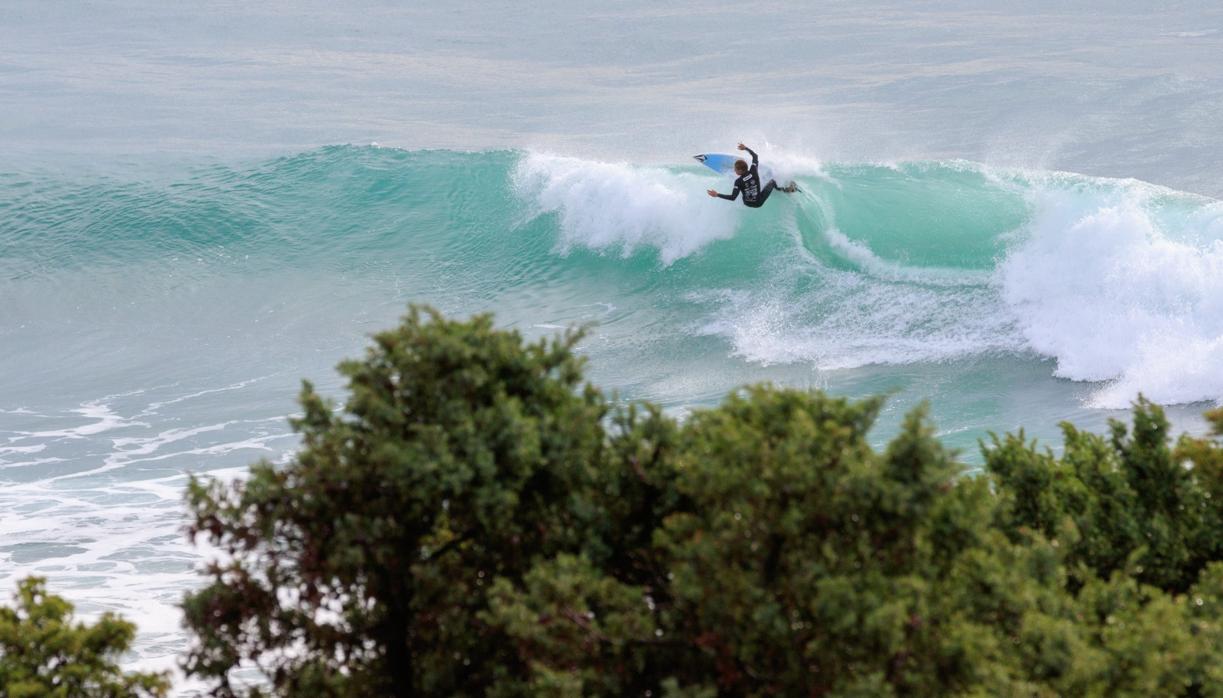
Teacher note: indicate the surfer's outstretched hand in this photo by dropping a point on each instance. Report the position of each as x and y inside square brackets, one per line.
[742, 147]
[711, 192]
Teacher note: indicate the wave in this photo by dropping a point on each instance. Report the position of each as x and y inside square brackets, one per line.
[1118, 283]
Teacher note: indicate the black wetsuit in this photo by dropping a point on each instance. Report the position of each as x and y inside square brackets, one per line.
[754, 195]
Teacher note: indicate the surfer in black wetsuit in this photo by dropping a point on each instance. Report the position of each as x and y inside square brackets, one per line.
[748, 183]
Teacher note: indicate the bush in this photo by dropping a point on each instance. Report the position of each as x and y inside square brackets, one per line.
[43, 653]
[475, 521]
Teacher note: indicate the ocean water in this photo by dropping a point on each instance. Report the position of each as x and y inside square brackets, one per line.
[1012, 213]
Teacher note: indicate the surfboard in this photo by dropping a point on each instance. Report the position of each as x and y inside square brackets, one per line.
[725, 164]
[718, 162]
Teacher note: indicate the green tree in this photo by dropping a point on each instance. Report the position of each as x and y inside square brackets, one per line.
[43, 653]
[1128, 502]
[476, 521]
[362, 567]
[799, 561]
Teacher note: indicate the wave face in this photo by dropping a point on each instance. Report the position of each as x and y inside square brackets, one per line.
[1118, 282]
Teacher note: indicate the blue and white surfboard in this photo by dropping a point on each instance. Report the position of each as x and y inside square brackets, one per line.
[718, 162]
[725, 164]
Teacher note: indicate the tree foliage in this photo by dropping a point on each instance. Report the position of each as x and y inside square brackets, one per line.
[476, 521]
[44, 654]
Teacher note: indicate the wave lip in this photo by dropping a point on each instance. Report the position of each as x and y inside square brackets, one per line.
[608, 206]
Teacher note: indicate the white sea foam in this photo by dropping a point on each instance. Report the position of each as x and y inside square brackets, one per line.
[848, 323]
[4, 450]
[1112, 295]
[618, 207]
[104, 420]
[97, 505]
[155, 406]
[8, 465]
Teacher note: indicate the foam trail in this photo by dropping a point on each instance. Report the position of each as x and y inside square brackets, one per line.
[846, 322]
[869, 262]
[838, 318]
[106, 420]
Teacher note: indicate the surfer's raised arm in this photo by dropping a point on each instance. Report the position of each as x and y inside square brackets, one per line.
[755, 160]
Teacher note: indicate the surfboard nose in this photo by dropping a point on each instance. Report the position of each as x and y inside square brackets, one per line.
[699, 158]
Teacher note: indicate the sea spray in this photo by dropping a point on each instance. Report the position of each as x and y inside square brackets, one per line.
[608, 206]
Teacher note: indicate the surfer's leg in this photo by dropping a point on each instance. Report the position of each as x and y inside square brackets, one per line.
[764, 193]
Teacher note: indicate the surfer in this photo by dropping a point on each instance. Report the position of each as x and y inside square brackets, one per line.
[749, 183]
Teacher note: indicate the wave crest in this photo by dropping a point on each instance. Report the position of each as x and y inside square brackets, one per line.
[607, 206]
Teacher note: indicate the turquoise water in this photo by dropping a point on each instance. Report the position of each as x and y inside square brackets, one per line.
[1013, 216]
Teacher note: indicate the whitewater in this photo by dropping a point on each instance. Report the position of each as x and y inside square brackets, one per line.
[1012, 214]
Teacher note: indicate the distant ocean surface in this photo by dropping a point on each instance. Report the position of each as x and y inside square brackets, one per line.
[1012, 214]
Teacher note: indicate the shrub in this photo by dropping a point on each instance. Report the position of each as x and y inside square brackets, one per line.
[43, 653]
[476, 521]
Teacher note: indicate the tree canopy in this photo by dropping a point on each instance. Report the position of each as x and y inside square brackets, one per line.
[44, 654]
[475, 520]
